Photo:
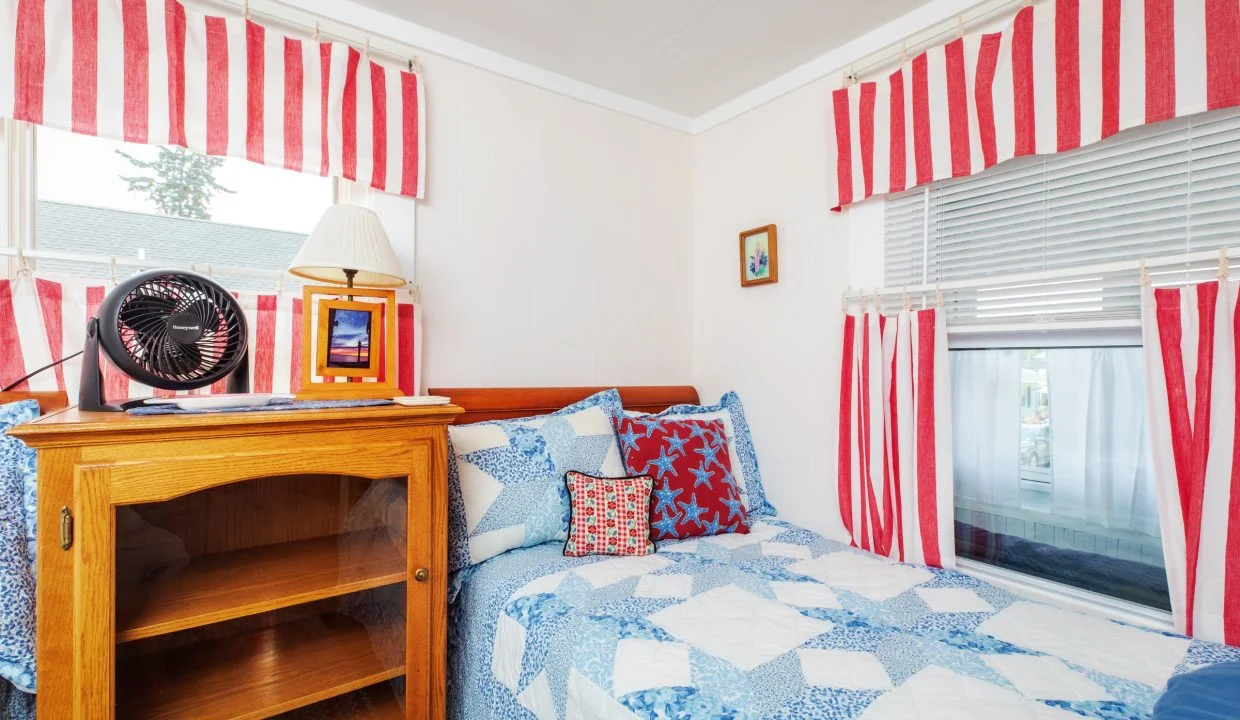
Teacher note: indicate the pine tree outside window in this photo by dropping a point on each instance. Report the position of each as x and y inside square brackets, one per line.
[168, 207]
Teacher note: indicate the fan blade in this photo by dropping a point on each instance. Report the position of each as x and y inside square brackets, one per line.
[207, 312]
[182, 360]
[144, 313]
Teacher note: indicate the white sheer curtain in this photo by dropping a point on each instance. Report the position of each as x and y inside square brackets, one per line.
[1100, 453]
[986, 426]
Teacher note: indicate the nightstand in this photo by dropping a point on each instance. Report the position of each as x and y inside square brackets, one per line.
[242, 565]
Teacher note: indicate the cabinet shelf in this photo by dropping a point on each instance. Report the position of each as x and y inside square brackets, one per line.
[224, 586]
[377, 702]
[257, 675]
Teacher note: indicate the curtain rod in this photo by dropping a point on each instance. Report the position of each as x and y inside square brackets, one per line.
[113, 262]
[927, 38]
[1168, 263]
[305, 23]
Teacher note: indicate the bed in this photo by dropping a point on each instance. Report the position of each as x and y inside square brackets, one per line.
[779, 623]
[17, 520]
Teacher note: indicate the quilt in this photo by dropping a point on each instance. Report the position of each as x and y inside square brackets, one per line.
[17, 553]
[783, 623]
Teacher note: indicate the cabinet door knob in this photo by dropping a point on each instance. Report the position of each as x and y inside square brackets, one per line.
[421, 574]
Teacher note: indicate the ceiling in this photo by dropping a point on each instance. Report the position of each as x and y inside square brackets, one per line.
[685, 56]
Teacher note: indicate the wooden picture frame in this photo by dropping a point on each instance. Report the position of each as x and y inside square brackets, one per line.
[759, 256]
[324, 377]
[337, 354]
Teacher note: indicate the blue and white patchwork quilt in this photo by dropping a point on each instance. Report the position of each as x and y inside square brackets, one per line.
[782, 623]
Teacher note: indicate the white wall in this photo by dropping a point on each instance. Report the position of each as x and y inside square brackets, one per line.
[554, 243]
[775, 344]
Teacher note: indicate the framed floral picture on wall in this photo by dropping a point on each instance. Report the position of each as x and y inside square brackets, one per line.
[759, 256]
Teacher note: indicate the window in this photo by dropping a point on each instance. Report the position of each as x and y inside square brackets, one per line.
[151, 206]
[1053, 468]
[1053, 472]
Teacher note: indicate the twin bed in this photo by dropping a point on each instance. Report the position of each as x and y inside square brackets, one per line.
[778, 623]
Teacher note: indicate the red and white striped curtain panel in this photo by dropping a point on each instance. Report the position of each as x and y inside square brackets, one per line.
[1193, 372]
[43, 319]
[895, 463]
[152, 72]
[1064, 74]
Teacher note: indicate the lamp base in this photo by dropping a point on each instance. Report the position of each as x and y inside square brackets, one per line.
[349, 391]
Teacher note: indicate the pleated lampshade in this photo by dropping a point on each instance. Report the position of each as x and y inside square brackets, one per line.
[348, 237]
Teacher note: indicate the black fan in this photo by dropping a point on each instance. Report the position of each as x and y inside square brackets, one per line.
[169, 329]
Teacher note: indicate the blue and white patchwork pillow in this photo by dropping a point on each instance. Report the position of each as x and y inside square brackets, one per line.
[506, 477]
[17, 528]
[740, 446]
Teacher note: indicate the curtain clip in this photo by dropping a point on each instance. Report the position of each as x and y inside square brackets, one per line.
[960, 25]
[23, 264]
[903, 52]
[209, 270]
[367, 50]
[844, 299]
[1222, 263]
[279, 282]
[245, 9]
[1145, 273]
[112, 268]
[938, 296]
[906, 304]
[316, 31]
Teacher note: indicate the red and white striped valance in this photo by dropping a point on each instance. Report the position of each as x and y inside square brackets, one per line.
[43, 319]
[150, 71]
[1064, 74]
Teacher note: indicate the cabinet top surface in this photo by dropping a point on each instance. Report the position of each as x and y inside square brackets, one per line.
[72, 426]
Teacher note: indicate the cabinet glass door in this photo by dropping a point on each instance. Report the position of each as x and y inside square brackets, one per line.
[281, 596]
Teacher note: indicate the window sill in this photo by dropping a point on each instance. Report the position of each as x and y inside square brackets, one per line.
[1068, 597]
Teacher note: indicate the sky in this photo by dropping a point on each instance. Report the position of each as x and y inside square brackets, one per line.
[86, 170]
[351, 326]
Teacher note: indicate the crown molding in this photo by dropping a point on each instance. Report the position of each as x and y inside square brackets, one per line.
[835, 61]
[409, 34]
[426, 40]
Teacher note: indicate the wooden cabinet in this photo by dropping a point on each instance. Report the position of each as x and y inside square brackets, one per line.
[247, 565]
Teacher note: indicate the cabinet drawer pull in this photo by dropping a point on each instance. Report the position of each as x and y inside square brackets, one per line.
[421, 574]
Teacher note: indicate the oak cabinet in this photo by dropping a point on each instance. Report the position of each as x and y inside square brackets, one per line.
[247, 565]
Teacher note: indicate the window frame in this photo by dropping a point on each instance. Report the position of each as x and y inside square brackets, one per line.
[1200, 265]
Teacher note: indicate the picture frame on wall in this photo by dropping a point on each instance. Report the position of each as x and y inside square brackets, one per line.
[759, 256]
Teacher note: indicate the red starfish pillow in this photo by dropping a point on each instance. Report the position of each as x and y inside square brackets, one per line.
[694, 491]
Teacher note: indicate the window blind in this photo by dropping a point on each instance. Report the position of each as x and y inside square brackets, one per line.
[1055, 239]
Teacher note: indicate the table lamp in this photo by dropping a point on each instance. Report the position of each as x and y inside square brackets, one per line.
[348, 333]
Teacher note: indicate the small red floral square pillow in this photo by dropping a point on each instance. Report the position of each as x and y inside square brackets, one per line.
[694, 490]
[610, 516]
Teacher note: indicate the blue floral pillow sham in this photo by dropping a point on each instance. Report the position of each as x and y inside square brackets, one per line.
[740, 447]
[17, 547]
[506, 477]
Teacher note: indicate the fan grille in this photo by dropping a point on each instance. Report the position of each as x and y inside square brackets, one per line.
[151, 340]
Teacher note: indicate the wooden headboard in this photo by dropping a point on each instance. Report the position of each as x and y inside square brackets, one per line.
[49, 401]
[502, 403]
